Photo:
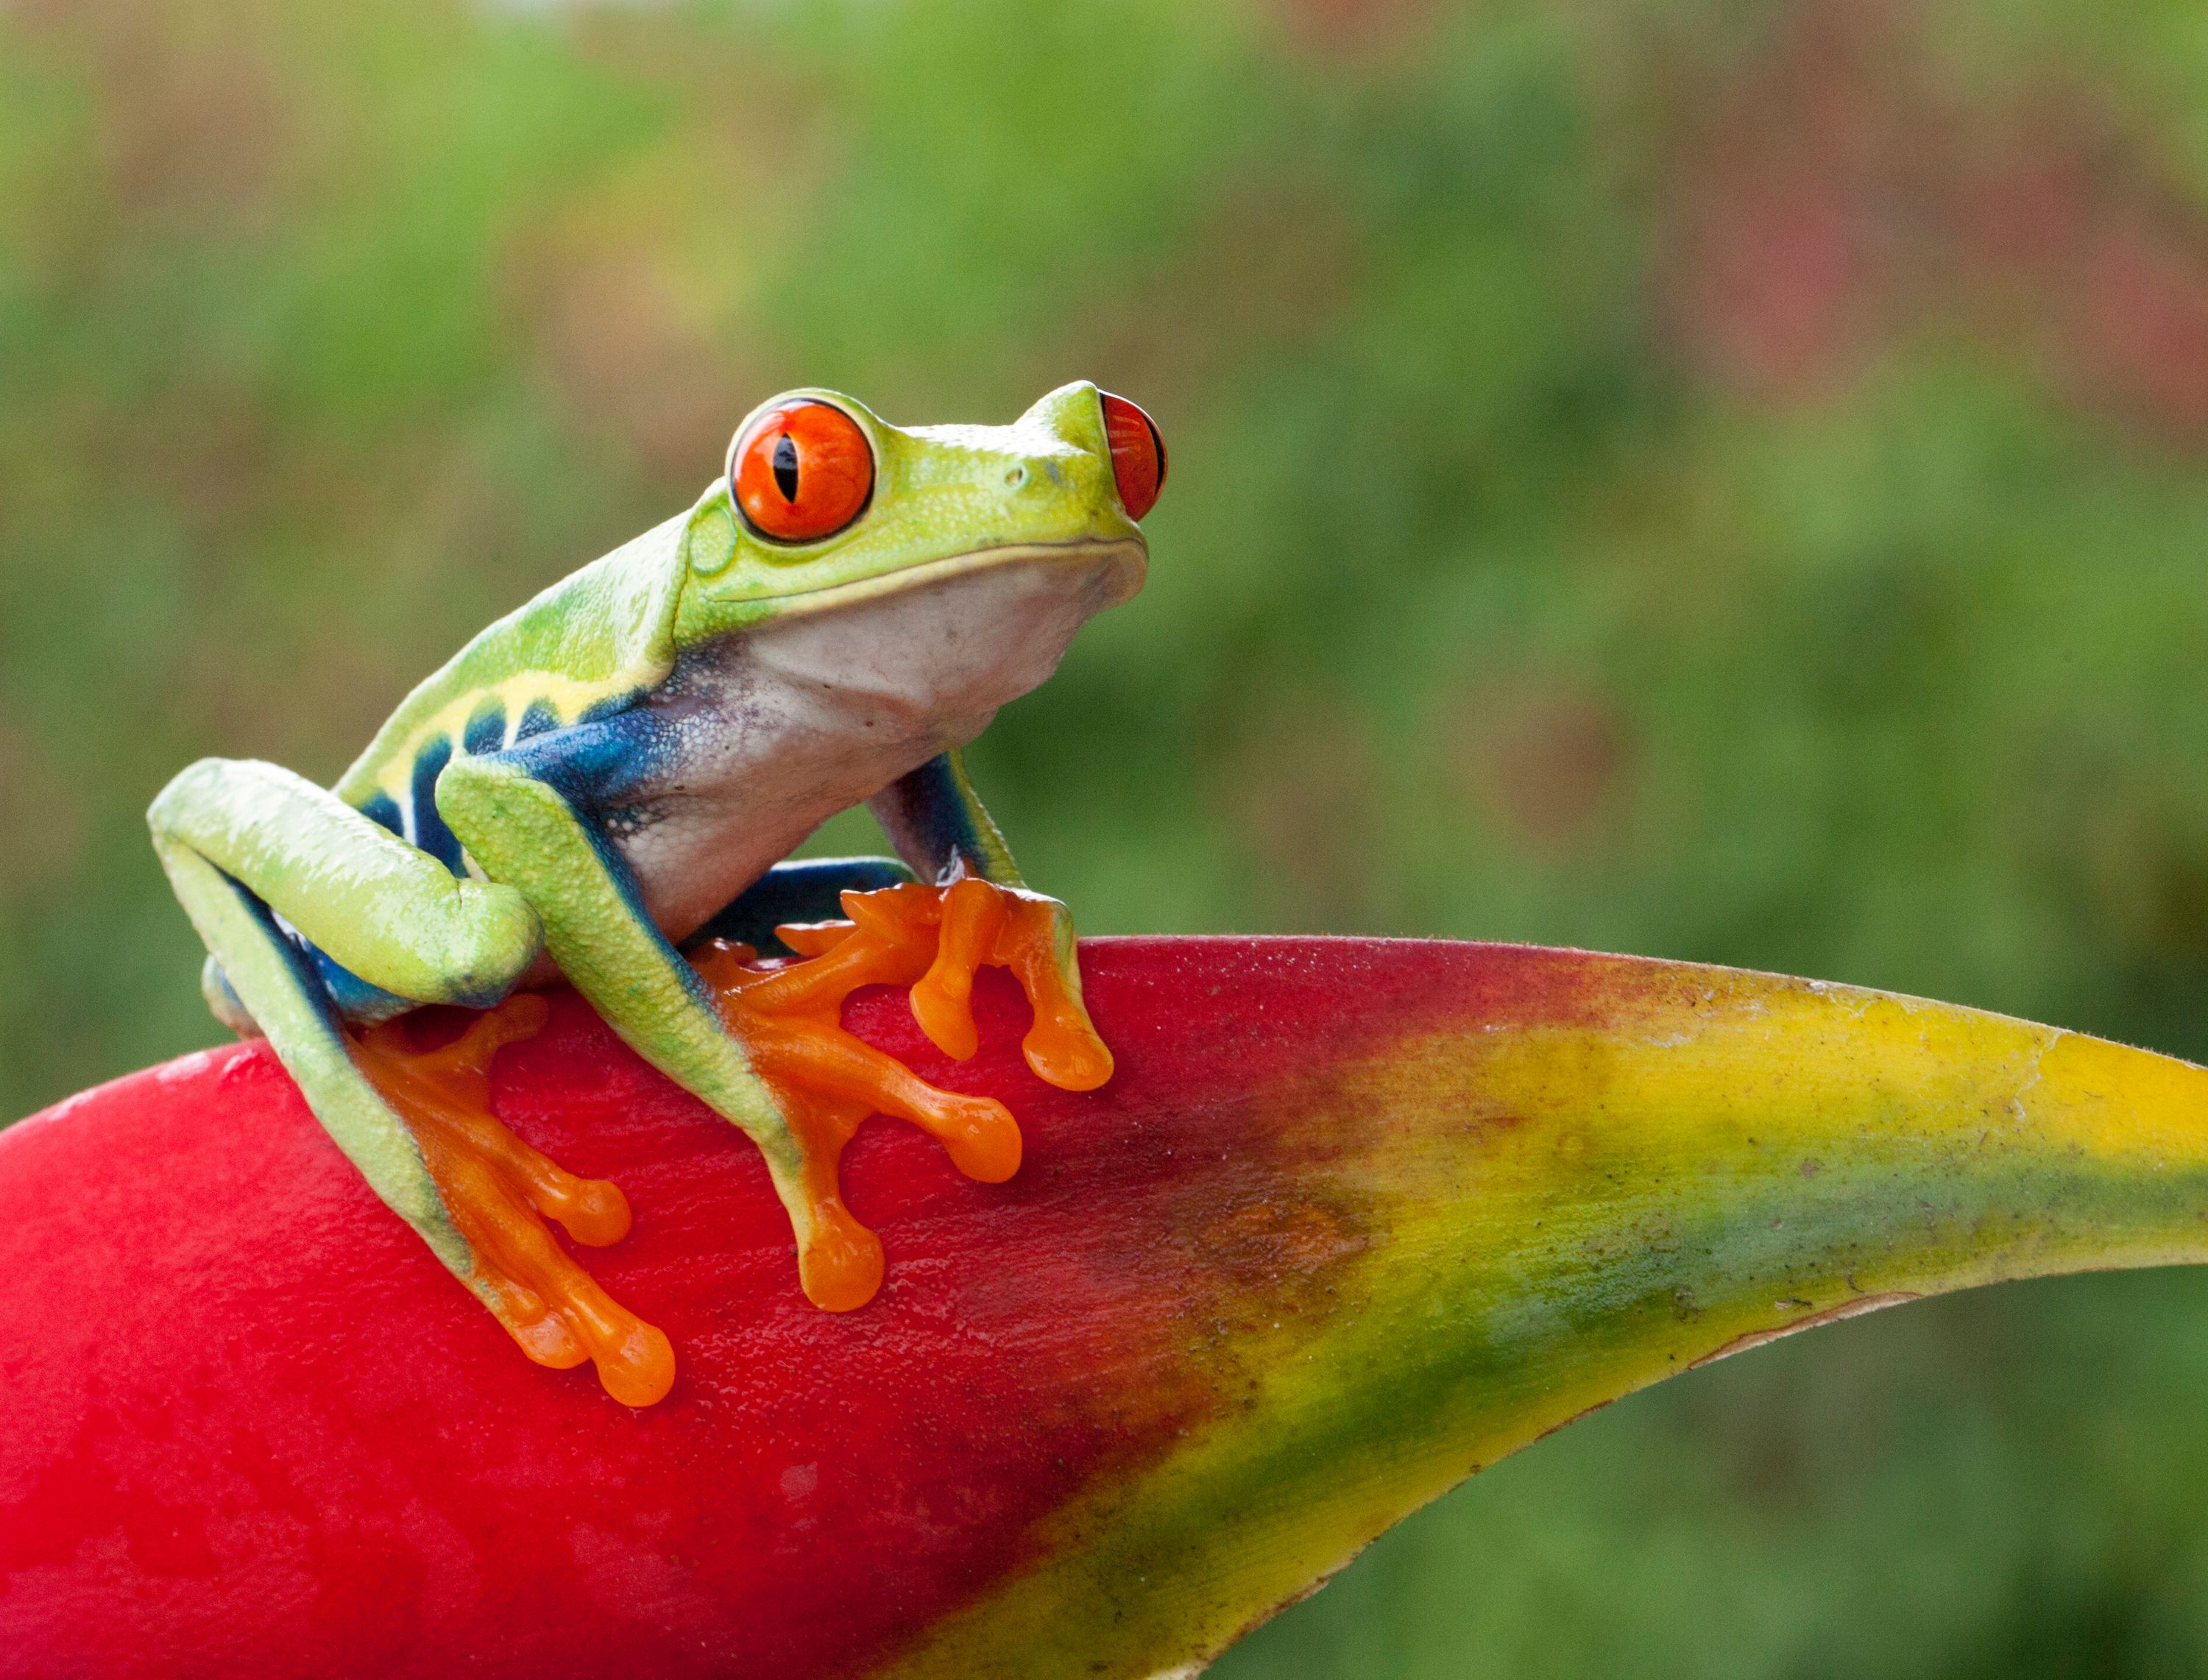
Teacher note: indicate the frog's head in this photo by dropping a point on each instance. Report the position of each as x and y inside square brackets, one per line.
[978, 549]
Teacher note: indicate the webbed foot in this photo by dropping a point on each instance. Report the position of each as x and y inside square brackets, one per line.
[978, 923]
[931, 940]
[499, 1192]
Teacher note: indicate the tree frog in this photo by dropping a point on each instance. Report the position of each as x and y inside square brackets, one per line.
[603, 787]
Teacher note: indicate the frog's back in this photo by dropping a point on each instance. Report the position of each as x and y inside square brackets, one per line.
[588, 643]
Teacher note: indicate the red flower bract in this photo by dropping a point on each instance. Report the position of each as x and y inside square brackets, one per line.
[247, 1414]
[1354, 1219]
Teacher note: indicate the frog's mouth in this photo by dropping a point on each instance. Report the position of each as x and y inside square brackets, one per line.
[933, 650]
[1110, 571]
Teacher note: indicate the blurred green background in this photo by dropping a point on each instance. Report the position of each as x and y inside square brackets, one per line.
[1719, 478]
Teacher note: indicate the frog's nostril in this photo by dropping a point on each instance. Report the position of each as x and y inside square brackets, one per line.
[1016, 476]
[1138, 454]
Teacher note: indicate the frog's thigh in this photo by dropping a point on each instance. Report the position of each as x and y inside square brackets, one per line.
[808, 889]
[526, 832]
[271, 978]
[386, 910]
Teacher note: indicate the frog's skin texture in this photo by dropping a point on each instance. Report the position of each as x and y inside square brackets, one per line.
[616, 771]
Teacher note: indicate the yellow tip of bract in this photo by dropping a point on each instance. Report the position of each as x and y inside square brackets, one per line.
[1561, 1178]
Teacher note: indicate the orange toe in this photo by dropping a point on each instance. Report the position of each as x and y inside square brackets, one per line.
[499, 1192]
[789, 1019]
[1063, 1046]
[973, 916]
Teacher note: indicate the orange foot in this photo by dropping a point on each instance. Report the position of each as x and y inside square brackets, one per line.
[931, 940]
[499, 1192]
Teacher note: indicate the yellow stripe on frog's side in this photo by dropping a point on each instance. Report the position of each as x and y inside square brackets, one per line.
[565, 698]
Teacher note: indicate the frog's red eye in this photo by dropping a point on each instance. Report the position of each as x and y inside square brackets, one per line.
[800, 471]
[1138, 454]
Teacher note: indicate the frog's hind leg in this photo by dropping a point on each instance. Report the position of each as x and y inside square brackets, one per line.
[245, 842]
[808, 889]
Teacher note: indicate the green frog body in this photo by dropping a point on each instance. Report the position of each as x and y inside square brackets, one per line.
[613, 774]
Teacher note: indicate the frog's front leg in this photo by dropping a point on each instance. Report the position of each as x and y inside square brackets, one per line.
[988, 916]
[245, 842]
[778, 1065]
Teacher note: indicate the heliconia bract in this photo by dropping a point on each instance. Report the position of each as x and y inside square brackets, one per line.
[1354, 1220]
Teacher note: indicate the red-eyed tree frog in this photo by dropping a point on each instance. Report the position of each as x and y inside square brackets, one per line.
[602, 787]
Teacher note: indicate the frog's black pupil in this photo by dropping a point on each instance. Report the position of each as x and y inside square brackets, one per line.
[785, 466]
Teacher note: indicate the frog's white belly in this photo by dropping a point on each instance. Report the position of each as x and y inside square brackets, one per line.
[769, 732]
